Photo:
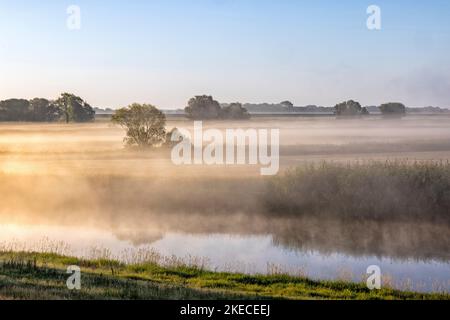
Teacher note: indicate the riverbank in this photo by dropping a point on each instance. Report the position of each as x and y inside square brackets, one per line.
[43, 276]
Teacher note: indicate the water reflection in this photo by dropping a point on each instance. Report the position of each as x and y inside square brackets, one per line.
[395, 240]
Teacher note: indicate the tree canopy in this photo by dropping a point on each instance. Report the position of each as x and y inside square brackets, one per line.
[287, 104]
[74, 108]
[68, 106]
[206, 108]
[350, 108]
[144, 125]
[14, 110]
[234, 111]
[43, 110]
[203, 108]
[393, 108]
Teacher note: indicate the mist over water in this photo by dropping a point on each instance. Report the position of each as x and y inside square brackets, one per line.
[77, 184]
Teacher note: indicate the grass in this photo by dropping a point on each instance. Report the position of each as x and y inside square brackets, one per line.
[370, 190]
[29, 275]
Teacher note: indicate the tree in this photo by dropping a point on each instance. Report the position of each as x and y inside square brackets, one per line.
[42, 110]
[234, 111]
[14, 110]
[287, 104]
[348, 108]
[144, 125]
[38, 109]
[74, 108]
[203, 108]
[393, 109]
[69, 106]
[365, 111]
[53, 112]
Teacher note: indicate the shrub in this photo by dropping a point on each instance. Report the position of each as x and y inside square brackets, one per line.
[393, 109]
[349, 108]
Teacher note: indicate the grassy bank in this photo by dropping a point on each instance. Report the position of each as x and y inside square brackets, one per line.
[43, 276]
[378, 191]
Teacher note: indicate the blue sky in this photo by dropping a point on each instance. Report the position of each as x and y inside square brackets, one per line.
[165, 51]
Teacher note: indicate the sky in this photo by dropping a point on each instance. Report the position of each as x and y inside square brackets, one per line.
[165, 51]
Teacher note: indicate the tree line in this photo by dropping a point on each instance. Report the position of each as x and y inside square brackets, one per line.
[67, 107]
[206, 108]
[145, 125]
[71, 108]
[354, 108]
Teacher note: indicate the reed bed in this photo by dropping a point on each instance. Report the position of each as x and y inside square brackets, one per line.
[415, 191]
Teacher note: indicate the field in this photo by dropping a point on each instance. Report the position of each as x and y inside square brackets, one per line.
[393, 178]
